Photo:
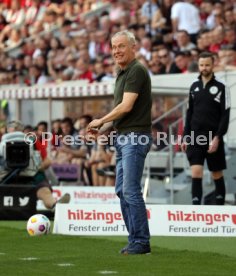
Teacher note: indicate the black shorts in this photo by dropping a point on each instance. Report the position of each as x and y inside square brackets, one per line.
[40, 181]
[215, 161]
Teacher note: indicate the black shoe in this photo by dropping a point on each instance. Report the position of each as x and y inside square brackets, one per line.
[136, 248]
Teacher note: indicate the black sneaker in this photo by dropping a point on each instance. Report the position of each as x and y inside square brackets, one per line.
[136, 248]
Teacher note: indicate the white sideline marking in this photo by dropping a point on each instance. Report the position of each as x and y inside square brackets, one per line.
[108, 272]
[29, 259]
[2, 253]
[65, 264]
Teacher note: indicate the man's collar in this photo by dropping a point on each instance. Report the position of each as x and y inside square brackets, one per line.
[127, 67]
[212, 78]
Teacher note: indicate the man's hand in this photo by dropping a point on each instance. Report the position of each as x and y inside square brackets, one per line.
[183, 147]
[214, 144]
[95, 124]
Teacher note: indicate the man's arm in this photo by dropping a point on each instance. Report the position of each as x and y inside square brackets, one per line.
[119, 111]
[175, 23]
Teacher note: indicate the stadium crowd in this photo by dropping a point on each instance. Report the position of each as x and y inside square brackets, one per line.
[53, 41]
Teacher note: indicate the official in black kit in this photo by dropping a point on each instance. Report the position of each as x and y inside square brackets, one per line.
[207, 121]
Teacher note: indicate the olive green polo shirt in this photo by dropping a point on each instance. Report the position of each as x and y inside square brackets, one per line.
[135, 79]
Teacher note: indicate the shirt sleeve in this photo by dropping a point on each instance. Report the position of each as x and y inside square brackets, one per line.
[175, 11]
[225, 112]
[187, 127]
[134, 80]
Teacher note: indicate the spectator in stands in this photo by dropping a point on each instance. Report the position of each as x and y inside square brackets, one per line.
[165, 11]
[183, 41]
[67, 129]
[55, 47]
[88, 37]
[99, 159]
[207, 14]
[99, 71]
[14, 39]
[41, 47]
[71, 145]
[182, 61]
[227, 59]
[167, 61]
[217, 40]
[41, 62]
[102, 46]
[20, 68]
[56, 132]
[41, 130]
[230, 21]
[82, 71]
[117, 8]
[207, 115]
[161, 21]
[230, 38]
[83, 122]
[33, 12]
[70, 11]
[147, 12]
[146, 48]
[36, 76]
[15, 15]
[185, 16]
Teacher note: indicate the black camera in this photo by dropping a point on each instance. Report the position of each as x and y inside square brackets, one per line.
[17, 155]
[17, 152]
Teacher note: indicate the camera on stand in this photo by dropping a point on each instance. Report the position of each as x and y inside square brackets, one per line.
[18, 156]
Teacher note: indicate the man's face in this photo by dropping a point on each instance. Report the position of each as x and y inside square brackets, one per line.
[163, 56]
[122, 50]
[65, 128]
[205, 66]
[41, 129]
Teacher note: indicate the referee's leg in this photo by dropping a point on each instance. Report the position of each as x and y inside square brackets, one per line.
[197, 174]
[219, 187]
[217, 163]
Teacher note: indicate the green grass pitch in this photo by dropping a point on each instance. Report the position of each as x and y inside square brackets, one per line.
[58, 255]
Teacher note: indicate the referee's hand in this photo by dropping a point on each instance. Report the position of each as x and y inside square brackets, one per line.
[214, 145]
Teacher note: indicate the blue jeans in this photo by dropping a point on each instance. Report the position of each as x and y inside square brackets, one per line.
[130, 158]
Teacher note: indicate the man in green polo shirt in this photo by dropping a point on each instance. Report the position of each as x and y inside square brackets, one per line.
[131, 118]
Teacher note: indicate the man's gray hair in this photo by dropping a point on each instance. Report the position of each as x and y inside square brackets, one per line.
[128, 34]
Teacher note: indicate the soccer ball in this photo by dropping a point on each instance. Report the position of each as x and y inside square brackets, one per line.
[38, 225]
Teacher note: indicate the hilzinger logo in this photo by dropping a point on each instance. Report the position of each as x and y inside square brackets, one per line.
[94, 215]
[209, 219]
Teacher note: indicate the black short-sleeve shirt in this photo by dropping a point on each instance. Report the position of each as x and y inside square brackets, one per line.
[134, 79]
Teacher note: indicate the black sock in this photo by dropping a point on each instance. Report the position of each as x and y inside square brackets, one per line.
[196, 191]
[220, 191]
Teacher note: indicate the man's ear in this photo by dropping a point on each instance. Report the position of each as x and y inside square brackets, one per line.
[134, 46]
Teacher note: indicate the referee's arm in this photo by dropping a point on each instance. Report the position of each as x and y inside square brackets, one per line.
[225, 113]
[187, 127]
